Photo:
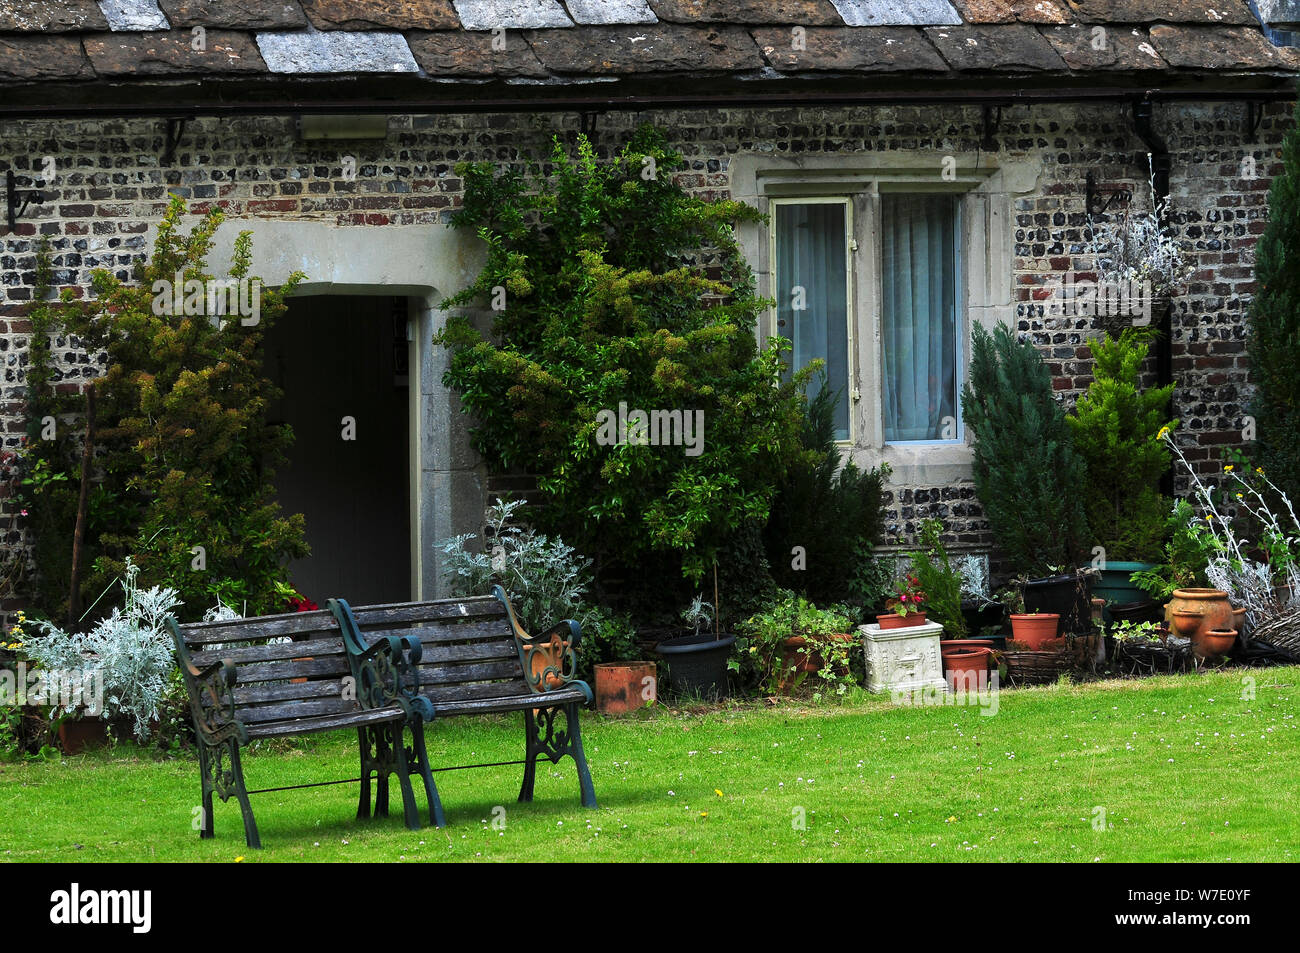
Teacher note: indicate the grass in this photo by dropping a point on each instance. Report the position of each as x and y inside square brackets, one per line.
[1183, 767]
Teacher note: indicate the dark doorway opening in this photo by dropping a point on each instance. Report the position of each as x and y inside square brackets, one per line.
[341, 362]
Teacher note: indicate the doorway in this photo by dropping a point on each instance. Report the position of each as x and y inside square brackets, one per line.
[341, 362]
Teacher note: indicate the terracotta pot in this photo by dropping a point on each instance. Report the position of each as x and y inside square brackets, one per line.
[625, 686]
[76, 736]
[1186, 623]
[795, 662]
[1034, 630]
[945, 645]
[1214, 644]
[962, 667]
[1211, 604]
[892, 620]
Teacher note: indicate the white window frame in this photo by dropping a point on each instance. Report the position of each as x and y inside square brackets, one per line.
[850, 247]
[989, 187]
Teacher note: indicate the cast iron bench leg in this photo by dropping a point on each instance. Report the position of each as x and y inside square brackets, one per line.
[532, 748]
[420, 763]
[575, 749]
[241, 793]
[403, 769]
[363, 804]
[206, 784]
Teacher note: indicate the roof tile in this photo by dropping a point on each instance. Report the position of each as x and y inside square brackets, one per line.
[897, 12]
[43, 57]
[151, 54]
[336, 51]
[803, 12]
[608, 12]
[1012, 46]
[666, 48]
[50, 16]
[234, 14]
[392, 14]
[460, 53]
[1154, 11]
[1121, 48]
[1198, 47]
[844, 49]
[511, 14]
[1009, 11]
[133, 15]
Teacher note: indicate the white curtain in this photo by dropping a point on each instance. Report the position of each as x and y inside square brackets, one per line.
[810, 249]
[919, 320]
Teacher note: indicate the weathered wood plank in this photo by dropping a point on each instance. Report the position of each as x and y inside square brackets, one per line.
[443, 610]
[292, 624]
[330, 666]
[468, 632]
[436, 674]
[474, 652]
[561, 696]
[465, 691]
[271, 653]
[307, 726]
[255, 714]
[260, 694]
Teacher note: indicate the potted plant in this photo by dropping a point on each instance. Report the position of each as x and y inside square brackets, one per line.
[942, 584]
[697, 663]
[793, 639]
[1118, 428]
[625, 682]
[906, 607]
[1027, 473]
[1034, 630]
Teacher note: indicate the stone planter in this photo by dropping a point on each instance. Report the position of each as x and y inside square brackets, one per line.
[904, 660]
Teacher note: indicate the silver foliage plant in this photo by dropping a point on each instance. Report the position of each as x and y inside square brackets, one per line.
[546, 579]
[130, 649]
[1134, 249]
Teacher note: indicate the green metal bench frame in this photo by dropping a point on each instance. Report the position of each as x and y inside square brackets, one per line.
[278, 707]
[540, 681]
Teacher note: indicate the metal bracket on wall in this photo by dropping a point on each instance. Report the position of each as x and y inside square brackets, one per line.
[1254, 116]
[11, 194]
[175, 129]
[992, 118]
[1099, 201]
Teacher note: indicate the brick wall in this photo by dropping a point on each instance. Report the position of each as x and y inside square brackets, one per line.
[111, 187]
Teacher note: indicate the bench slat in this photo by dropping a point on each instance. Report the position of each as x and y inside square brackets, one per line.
[308, 708]
[403, 613]
[472, 672]
[447, 632]
[480, 706]
[327, 667]
[470, 690]
[474, 652]
[270, 653]
[308, 726]
[260, 694]
[292, 624]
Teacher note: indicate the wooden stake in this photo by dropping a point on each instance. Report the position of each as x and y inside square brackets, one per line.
[79, 535]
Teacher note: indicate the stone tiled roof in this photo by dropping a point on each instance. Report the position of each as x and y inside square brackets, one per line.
[109, 50]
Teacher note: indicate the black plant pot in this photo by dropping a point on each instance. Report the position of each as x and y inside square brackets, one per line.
[697, 664]
[1146, 611]
[979, 616]
[1066, 595]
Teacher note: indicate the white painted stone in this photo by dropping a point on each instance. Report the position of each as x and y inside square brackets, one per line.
[336, 51]
[133, 15]
[897, 12]
[511, 14]
[903, 660]
[1280, 13]
[610, 11]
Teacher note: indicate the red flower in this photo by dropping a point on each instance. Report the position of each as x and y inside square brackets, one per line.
[302, 604]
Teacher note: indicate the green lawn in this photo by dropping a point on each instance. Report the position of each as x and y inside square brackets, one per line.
[1183, 766]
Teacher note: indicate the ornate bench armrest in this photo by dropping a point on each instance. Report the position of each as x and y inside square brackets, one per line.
[387, 672]
[215, 684]
[550, 660]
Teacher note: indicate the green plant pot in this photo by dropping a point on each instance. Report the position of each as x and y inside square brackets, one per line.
[1115, 587]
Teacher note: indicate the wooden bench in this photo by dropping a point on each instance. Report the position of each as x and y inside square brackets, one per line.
[242, 687]
[476, 660]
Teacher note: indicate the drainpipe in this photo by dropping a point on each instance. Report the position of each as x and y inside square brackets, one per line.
[1143, 124]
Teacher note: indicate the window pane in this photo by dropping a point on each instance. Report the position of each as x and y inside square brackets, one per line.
[812, 294]
[919, 316]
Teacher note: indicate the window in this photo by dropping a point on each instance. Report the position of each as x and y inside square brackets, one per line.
[920, 344]
[813, 293]
[909, 262]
